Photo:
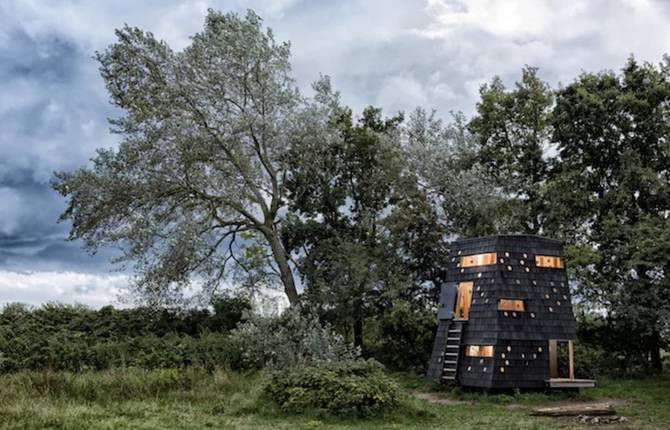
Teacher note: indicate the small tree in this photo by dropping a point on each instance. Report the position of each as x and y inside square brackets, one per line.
[200, 161]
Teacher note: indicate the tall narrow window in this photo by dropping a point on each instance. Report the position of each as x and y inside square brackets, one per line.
[464, 300]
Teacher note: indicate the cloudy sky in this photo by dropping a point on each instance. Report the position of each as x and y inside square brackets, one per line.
[392, 53]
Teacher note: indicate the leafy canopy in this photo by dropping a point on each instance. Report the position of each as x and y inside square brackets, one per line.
[201, 160]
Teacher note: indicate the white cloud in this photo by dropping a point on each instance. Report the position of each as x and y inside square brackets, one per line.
[66, 287]
[562, 38]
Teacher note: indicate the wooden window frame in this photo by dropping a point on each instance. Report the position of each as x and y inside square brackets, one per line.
[475, 260]
[464, 300]
[511, 305]
[549, 261]
[479, 351]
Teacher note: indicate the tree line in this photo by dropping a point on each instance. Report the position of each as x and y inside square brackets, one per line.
[226, 172]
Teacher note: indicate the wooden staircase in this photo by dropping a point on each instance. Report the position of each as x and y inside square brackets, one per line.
[452, 352]
[443, 366]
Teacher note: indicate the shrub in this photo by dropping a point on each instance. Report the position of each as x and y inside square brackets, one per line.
[352, 387]
[605, 349]
[228, 312]
[75, 338]
[591, 361]
[405, 336]
[294, 339]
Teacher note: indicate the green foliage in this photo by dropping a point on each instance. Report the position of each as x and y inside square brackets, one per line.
[194, 399]
[228, 312]
[404, 336]
[294, 339]
[130, 383]
[354, 387]
[362, 228]
[610, 193]
[604, 349]
[64, 337]
[512, 131]
[204, 133]
[75, 338]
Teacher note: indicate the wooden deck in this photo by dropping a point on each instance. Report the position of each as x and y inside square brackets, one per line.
[570, 383]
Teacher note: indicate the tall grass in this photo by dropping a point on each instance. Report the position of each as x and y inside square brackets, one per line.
[120, 384]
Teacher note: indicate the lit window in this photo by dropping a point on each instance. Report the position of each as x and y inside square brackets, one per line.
[478, 260]
[549, 261]
[479, 351]
[511, 305]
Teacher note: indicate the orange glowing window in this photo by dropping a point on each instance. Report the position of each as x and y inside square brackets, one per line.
[511, 305]
[478, 260]
[479, 350]
[549, 261]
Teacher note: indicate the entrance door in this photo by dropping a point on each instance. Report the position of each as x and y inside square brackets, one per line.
[463, 301]
[560, 360]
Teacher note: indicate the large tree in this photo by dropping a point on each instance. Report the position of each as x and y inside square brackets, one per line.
[512, 131]
[466, 197]
[610, 195]
[201, 159]
[364, 232]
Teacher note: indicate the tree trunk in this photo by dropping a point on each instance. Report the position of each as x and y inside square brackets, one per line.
[358, 332]
[281, 258]
[655, 346]
[358, 324]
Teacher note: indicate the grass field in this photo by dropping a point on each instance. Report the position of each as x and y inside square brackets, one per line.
[194, 399]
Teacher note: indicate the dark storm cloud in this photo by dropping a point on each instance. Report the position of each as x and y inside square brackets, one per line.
[47, 60]
[47, 114]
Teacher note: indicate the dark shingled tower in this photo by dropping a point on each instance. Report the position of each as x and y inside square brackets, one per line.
[504, 311]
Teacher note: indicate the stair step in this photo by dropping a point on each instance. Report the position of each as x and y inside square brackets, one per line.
[452, 351]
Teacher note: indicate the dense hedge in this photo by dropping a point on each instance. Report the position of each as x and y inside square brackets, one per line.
[76, 338]
[66, 337]
[356, 387]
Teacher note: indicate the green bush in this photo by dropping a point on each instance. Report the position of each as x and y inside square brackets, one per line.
[356, 387]
[404, 336]
[75, 338]
[603, 349]
[591, 361]
[295, 339]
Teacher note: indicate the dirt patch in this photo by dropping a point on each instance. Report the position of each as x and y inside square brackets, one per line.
[593, 404]
[438, 398]
[443, 399]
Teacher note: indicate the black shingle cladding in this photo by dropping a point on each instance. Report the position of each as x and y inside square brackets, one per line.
[521, 336]
[515, 364]
[436, 363]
